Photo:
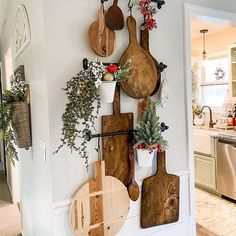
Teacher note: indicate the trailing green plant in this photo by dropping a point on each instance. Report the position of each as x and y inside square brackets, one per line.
[196, 109]
[17, 93]
[83, 106]
[148, 134]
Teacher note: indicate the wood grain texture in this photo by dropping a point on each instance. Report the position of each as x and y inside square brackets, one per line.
[142, 74]
[101, 212]
[133, 187]
[144, 42]
[160, 197]
[115, 17]
[101, 38]
[116, 148]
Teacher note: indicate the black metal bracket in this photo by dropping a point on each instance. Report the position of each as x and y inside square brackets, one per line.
[89, 136]
[160, 3]
[161, 66]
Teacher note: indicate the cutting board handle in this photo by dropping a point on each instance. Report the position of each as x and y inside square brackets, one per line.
[115, 3]
[116, 103]
[145, 39]
[161, 162]
[99, 169]
[131, 23]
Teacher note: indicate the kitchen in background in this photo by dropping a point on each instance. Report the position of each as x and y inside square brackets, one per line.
[214, 126]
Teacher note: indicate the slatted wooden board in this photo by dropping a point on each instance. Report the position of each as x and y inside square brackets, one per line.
[160, 197]
[101, 206]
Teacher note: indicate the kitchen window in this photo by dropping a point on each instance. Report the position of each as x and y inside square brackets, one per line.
[215, 82]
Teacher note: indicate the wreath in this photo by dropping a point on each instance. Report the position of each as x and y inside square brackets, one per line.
[219, 73]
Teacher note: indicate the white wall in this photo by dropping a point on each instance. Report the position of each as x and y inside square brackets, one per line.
[59, 30]
[35, 174]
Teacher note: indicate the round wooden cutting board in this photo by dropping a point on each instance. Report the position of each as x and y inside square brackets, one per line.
[143, 73]
[101, 206]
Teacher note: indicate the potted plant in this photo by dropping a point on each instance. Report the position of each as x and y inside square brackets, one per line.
[148, 136]
[15, 119]
[107, 78]
[84, 102]
[198, 117]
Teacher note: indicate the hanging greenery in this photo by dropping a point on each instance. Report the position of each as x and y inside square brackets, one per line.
[83, 105]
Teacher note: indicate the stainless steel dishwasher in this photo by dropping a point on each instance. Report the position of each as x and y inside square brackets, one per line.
[226, 166]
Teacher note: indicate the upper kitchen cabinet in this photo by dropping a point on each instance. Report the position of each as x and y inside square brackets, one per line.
[232, 69]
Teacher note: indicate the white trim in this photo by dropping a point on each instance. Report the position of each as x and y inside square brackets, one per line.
[191, 11]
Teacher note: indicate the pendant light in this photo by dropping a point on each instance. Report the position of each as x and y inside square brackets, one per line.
[204, 54]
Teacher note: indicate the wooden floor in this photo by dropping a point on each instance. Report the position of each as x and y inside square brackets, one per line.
[202, 231]
[10, 223]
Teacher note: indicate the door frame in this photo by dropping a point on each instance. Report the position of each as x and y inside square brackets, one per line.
[191, 11]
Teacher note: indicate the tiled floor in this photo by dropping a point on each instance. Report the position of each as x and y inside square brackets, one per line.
[215, 214]
[10, 224]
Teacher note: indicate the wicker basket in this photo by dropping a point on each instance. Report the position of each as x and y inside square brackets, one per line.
[21, 119]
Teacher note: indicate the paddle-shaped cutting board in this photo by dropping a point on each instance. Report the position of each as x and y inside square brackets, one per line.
[144, 42]
[142, 74]
[116, 148]
[160, 197]
[101, 38]
[100, 207]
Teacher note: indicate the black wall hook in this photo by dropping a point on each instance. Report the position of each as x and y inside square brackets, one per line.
[160, 3]
[162, 66]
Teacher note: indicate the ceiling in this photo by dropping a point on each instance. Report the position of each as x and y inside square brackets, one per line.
[212, 26]
[3, 10]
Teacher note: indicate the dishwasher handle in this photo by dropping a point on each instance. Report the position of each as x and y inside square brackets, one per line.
[228, 141]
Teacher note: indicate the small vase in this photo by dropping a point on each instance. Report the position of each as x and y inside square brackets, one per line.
[199, 120]
[145, 157]
[107, 91]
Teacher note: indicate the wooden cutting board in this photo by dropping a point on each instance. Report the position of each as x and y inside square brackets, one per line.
[116, 148]
[144, 42]
[100, 207]
[142, 74]
[160, 197]
[101, 38]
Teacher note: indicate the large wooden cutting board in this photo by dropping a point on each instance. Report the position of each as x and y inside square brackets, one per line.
[142, 74]
[100, 207]
[144, 42]
[116, 148]
[160, 197]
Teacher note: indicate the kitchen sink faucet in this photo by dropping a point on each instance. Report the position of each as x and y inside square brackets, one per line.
[211, 122]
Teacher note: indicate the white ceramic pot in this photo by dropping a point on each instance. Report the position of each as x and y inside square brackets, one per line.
[144, 157]
[107, 91]
[199, 120]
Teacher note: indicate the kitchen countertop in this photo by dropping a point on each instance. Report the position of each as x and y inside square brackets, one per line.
[216, 132]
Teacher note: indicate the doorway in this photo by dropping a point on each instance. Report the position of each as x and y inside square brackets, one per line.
[206, 202]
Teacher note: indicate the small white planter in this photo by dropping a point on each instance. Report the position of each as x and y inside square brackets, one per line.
[199, 120]
[107, 91]
[144, 157]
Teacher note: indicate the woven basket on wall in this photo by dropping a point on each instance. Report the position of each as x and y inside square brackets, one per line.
[21, 119]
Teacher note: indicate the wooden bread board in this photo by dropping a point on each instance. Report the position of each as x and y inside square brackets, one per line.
[116, 148]
[142, 74]
[160, 197]
[101, 206]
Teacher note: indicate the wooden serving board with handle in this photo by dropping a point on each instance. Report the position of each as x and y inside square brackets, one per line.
[100, 207]
[142, 74]
[116, 148]
[101, 38]
[160, 197]
[144, 42]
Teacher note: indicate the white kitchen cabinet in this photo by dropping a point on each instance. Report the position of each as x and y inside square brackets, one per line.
[205, 171]
[232, 69]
